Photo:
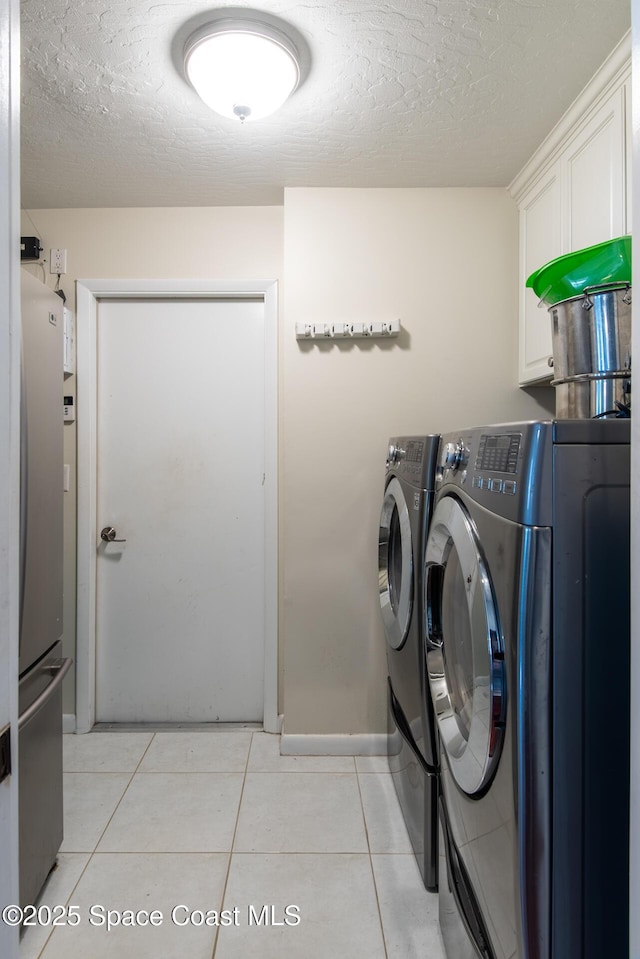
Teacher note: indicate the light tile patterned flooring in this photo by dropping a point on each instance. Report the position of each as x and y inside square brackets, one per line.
[219, 820]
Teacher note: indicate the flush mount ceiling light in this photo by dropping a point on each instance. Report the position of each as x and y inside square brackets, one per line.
[242, 69]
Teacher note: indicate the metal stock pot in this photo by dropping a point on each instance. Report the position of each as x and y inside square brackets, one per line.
[592, 352]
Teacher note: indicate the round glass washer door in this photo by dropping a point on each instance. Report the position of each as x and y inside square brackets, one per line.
[464, 648]
[395, 564]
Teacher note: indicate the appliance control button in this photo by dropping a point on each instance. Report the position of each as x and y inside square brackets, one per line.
[509, 487]
[495, 485]
[452, 455]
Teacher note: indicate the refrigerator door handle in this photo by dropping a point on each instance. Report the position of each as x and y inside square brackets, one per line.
[24, 489]
[58, 670]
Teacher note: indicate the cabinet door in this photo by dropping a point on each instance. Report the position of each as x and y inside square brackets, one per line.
[540, 241]
[594, 166]
[628, 136]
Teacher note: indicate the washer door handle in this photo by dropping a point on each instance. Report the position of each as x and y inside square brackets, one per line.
[433, 606]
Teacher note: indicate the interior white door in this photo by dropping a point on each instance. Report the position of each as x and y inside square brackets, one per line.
[180, 441]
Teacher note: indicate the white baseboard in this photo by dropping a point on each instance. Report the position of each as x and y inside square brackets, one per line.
[68, 723]
[358, 744]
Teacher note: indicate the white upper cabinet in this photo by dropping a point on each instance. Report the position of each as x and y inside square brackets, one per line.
[628, 128]
[540, 241]
[574, 192]
[594, 165]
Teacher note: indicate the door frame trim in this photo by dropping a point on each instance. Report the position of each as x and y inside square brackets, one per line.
[88, 295]
[10, 326]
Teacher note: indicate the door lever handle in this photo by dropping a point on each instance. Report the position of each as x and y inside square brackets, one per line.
[109, 534]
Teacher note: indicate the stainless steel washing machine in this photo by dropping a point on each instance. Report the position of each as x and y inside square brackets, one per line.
[527, 649]
[404, 518]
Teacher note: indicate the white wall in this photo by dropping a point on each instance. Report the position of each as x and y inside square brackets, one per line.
[445, 262]
[170, 242]
[210, 243]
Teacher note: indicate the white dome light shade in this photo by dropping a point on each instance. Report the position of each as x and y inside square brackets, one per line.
[242, 69]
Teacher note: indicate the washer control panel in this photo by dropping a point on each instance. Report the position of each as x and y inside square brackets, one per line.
[506, 467]
[494, 484]
[486, 461]
[498, 452]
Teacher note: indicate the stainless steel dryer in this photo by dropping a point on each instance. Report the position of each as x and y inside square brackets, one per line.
[527, 649]
[404, 518]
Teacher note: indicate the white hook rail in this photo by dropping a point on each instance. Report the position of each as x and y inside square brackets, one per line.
[327, 331]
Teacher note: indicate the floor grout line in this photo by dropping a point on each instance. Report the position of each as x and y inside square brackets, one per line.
[233, 840]
[117, 806]
[144, 753]
[67, 900]
[90, 853]
[373, 875]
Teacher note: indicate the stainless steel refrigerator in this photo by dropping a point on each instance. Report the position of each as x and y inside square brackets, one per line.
[42, 666]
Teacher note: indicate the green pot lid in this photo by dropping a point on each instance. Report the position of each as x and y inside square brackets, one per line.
[569, 275]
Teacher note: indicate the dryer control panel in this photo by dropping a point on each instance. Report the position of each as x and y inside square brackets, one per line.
[413, 459]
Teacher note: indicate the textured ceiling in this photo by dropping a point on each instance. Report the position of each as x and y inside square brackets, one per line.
[398, 93]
